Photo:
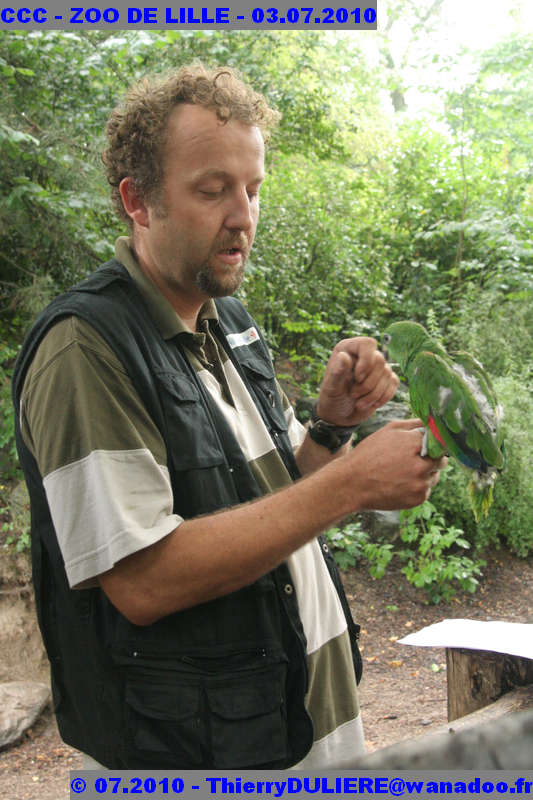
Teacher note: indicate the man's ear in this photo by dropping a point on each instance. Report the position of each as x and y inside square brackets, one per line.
[133, 203]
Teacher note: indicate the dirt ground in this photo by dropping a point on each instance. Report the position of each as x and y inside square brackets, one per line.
[403, 691]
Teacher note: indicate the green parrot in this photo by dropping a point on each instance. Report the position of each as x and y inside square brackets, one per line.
[455, 399]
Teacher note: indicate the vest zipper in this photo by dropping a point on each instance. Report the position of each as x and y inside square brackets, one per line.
[194, 661]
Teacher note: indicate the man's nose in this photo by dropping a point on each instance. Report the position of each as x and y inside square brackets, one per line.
[240, 214]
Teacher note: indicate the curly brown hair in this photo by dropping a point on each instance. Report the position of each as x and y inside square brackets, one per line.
[137, 128]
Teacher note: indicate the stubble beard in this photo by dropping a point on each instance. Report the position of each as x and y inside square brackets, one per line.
[211, 284]
[208, 280]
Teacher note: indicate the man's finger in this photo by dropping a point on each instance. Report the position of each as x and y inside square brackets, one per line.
[407, 424]
[339, 365]
[368, 359]
[380, 391]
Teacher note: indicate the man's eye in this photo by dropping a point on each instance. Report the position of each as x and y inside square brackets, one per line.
[211, 192]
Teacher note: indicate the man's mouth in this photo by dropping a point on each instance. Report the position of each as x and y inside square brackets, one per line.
[231, 255]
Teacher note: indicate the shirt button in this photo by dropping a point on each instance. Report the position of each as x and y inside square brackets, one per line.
[288, 588]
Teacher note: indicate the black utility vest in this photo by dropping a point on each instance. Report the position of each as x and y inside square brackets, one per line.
[220, 685]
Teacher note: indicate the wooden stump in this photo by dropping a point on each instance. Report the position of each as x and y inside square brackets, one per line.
[477, 678]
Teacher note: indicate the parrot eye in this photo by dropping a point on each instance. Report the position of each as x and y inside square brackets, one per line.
[387, 338]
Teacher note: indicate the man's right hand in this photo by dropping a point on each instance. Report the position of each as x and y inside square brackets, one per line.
[388, 470]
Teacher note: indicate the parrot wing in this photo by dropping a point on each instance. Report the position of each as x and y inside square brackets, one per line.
[474, 373]
[453, 404]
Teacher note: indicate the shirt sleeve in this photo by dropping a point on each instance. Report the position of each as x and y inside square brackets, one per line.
[297, 432]
[102, 458]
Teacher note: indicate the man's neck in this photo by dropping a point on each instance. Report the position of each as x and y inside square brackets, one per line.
[186, 307]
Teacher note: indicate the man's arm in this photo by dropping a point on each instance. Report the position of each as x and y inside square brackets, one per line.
[357, 381]
[210, 556]
[111, 498]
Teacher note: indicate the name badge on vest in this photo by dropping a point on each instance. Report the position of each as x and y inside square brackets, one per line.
[244, 338]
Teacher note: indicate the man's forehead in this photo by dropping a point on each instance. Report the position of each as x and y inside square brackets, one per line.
[207, 173]
[195, 124]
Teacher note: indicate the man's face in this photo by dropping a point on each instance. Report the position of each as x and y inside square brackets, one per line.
[202, 229]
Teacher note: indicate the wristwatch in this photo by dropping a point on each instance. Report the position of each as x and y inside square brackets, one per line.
[327, 434]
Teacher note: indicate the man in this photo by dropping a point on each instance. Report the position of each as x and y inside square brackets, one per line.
[191, 617]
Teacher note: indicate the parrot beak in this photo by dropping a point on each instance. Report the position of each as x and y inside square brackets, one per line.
[392, 364]
[385, 351]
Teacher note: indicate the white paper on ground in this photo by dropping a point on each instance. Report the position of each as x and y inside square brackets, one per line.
[514, 638]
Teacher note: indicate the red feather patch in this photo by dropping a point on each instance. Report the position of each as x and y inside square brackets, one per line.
[435, 431]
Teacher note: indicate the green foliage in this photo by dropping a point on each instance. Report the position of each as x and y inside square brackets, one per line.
[19, 541]
[347, 543]
[316, 275]
[491, 115]
[351, 544]
[497, 329]
[363, 218]
[432, 554]
[53, 209]
[379, 556]
[14, 528]
[8, 454]
[311, 364]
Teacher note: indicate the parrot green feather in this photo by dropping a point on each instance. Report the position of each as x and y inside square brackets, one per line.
[455, 399]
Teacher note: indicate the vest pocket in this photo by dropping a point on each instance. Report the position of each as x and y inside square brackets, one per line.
[263, 382]
[248, 726]
[194, 441]
[163, 723]
[188, 718]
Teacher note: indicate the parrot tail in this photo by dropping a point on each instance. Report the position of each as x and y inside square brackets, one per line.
[480, 498]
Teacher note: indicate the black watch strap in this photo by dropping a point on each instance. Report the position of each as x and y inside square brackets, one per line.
[333, 437]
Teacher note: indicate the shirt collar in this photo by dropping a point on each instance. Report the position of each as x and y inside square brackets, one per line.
[167, 320]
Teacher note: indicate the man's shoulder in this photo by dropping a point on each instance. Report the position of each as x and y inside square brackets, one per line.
[70, 335]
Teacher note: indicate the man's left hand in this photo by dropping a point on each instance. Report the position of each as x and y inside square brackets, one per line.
[357, 381]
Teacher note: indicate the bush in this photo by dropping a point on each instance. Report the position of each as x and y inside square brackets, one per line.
[432, 555]
[431, 551]
[498, 330]
[8, 453]
[347, 544]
